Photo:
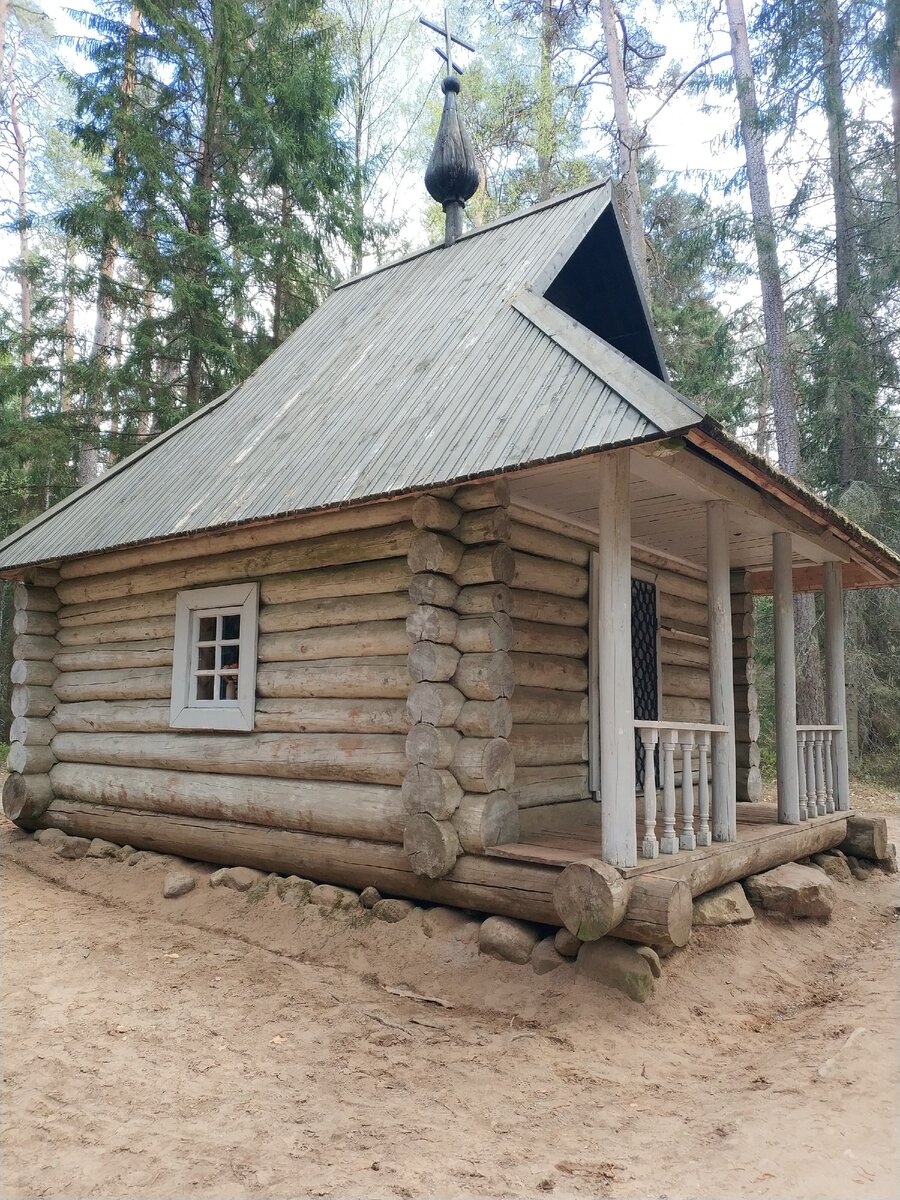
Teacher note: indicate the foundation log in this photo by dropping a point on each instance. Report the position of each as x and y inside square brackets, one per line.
[590, 898]
[25, 798]
[867, 837]
[430, 790]
[660, 913]
[431, 846]
[485, 821]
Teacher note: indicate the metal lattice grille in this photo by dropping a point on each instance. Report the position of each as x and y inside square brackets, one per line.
[645, 666]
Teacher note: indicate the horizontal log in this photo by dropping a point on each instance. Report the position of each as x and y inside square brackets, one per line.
[746, 699]
[540, 706]
[685, 681]
[34, 599]
[355, 579]
[30, 648]
[34, 674]
[434, 704]
[431, 846]
[29, 760]
[428, 623]
[32, 731]
[28, 701]
[149, 628]
[747, 754]
[325, 715]
[746, 727]
[352, 547]
[867, 837]
[674, 583]
[508, 888]
[546, 609]
[430, 551]
[485, 564]
[481, 635]
[482, 598]
[35, 623]
[485, 821]
[742, 625]
[746, 671]
[748, 784]
[339, 678]
[660, 913]
[550, 671]
[369, 639]
[676, 653]
[549, 745]
[485, 718]
[483, 764]
[431, 790]
[111, 613]
[246, 537]
[333, 610]
[355, 758]
[493, 493]
[741, 602]
[534, 574]
[484, 525]
[539, 638]
[25, 798]
[431, 745]
[546, 544]
[485, 676]
[144, 683]
[590, 898]
[342, 809]
[676, 607]
[432, 662]
[155, 652]
[430, 512]
[536, 786]
[107, 716]
[430, 588]
[684, 708]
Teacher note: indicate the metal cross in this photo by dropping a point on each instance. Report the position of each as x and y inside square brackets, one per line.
[449, 38]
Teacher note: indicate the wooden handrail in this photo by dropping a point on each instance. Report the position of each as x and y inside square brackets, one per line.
[681, 726]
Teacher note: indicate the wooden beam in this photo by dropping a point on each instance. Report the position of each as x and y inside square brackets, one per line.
[835, 683]
[785, 683]
[812, 578]
[721, 673]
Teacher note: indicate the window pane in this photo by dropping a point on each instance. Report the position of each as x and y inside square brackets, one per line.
[206, 629]
[230, 656]
[231, 627]
[228, 687]
[206, 658]
[205, 685]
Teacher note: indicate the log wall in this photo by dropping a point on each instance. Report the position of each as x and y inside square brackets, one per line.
[746, 700]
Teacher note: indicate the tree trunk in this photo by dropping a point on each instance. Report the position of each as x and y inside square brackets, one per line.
[546, 137]
[892, 21]
[22, 217]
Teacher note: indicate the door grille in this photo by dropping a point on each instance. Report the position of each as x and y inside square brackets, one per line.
[645, 665]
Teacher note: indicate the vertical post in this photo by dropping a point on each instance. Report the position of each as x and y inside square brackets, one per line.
[650, 846]
[835, 683]
[618, 828]
[721, 673]
[785, 682]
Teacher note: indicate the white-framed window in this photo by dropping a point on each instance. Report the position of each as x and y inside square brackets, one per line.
[214, 662]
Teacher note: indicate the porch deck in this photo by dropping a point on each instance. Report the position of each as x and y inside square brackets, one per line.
[757, 829]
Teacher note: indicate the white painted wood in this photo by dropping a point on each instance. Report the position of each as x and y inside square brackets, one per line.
[785, 681]
[721, 673]
[829, 771]
[687, 839]
[650, 845]
[614, 662]
[594, 679]
[835, 685]
[820, 772]
[704, 833]
[669, 841]
[801, 772]
[810, 748]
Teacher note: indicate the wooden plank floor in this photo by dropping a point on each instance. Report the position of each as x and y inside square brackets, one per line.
[561, 846]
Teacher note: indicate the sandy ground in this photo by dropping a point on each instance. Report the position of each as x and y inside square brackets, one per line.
[213, 1047]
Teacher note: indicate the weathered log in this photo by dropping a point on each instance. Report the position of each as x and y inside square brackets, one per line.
[34, 599]
[683, 610]
[747, 754]
[431, 513]
[748, 783]
[369, 639]
[431, 745]
[549, 745]
[536, 574]
[247, 537]
[546, 544]
[434, 552]
[33, 674]
[675, 582]
[590, 898]
[485, 564]
[485, 821]
[356, 758]
[745, 672]
[485, 718]
[430, 790]
[152, 653]
[344, 809]
[483, 598]
[481, 635]
[867, 837]
[742, 625]
[426, 623]
[113, 613]
[485, 676]
[28, 701]
[514, 889]
[31, 648]
[539, 638]
[355, 579]
[434, 704]
[324, 715]
[147, 683]
[35, 623]
[429, 588]
[683, 708]
[746, 727]
[675, 653]
[746, 698]
[350, 547]
[29, 760]
[431, 846]
[660, 912]
[339, 678]
[484, 764]
[484, 525]
[333, 610]
[546, 706]
[32, 731]
[685, 681]
[494, 493]
[550, 671]
[122, 631]
[101, 716]
[560, 784]
[432, 662]
[26, 797]
[549, 610]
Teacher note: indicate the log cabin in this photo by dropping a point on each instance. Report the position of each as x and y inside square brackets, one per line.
[453, 597]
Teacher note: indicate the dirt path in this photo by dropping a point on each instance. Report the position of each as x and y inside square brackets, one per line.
[209, 1047]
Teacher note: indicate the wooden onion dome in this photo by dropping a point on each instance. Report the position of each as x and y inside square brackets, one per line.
[452, 174]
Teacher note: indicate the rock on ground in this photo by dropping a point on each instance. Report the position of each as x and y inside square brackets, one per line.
[505, 937]
[648, 953]
[369, 897]
[545, 957]
[617, 965]
[860, 868]
[293, 888]
[239, 879]
[72, 847]
[50, 837]
[834, 865]
[567, 944]
[792, 891]
[178, 883]
[889, 862]
[443, 922]
[100, 848]
[392, 911]
[725, 906]
[328, 897]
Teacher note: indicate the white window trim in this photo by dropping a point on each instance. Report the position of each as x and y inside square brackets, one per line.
[239, 714]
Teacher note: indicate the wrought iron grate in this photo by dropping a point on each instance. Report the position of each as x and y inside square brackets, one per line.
[645, 664]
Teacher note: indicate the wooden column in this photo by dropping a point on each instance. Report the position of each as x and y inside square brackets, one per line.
[835, 683]
[785, 682]
[721, 672]
[618, 833]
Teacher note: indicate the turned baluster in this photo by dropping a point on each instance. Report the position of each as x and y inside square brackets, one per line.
[829, 771]
[704, 837]
[820, 772]
[649, 846]
[687, 841]
[668, 843]
[810, 773]
[801, 771]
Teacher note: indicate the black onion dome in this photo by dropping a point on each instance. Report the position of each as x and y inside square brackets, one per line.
[452, 174]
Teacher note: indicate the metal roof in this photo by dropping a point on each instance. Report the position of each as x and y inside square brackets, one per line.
[427, 371]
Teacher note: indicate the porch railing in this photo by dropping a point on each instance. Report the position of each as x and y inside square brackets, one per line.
[678, 741]
[815, 769]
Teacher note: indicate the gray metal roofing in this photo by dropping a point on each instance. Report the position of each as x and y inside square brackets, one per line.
[419, 373]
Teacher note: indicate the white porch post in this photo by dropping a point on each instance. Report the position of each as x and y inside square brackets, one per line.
[618, 831]
[785, 681]
[835, 683]
[721, 673]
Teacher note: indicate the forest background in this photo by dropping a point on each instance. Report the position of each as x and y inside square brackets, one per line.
[183, 182]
